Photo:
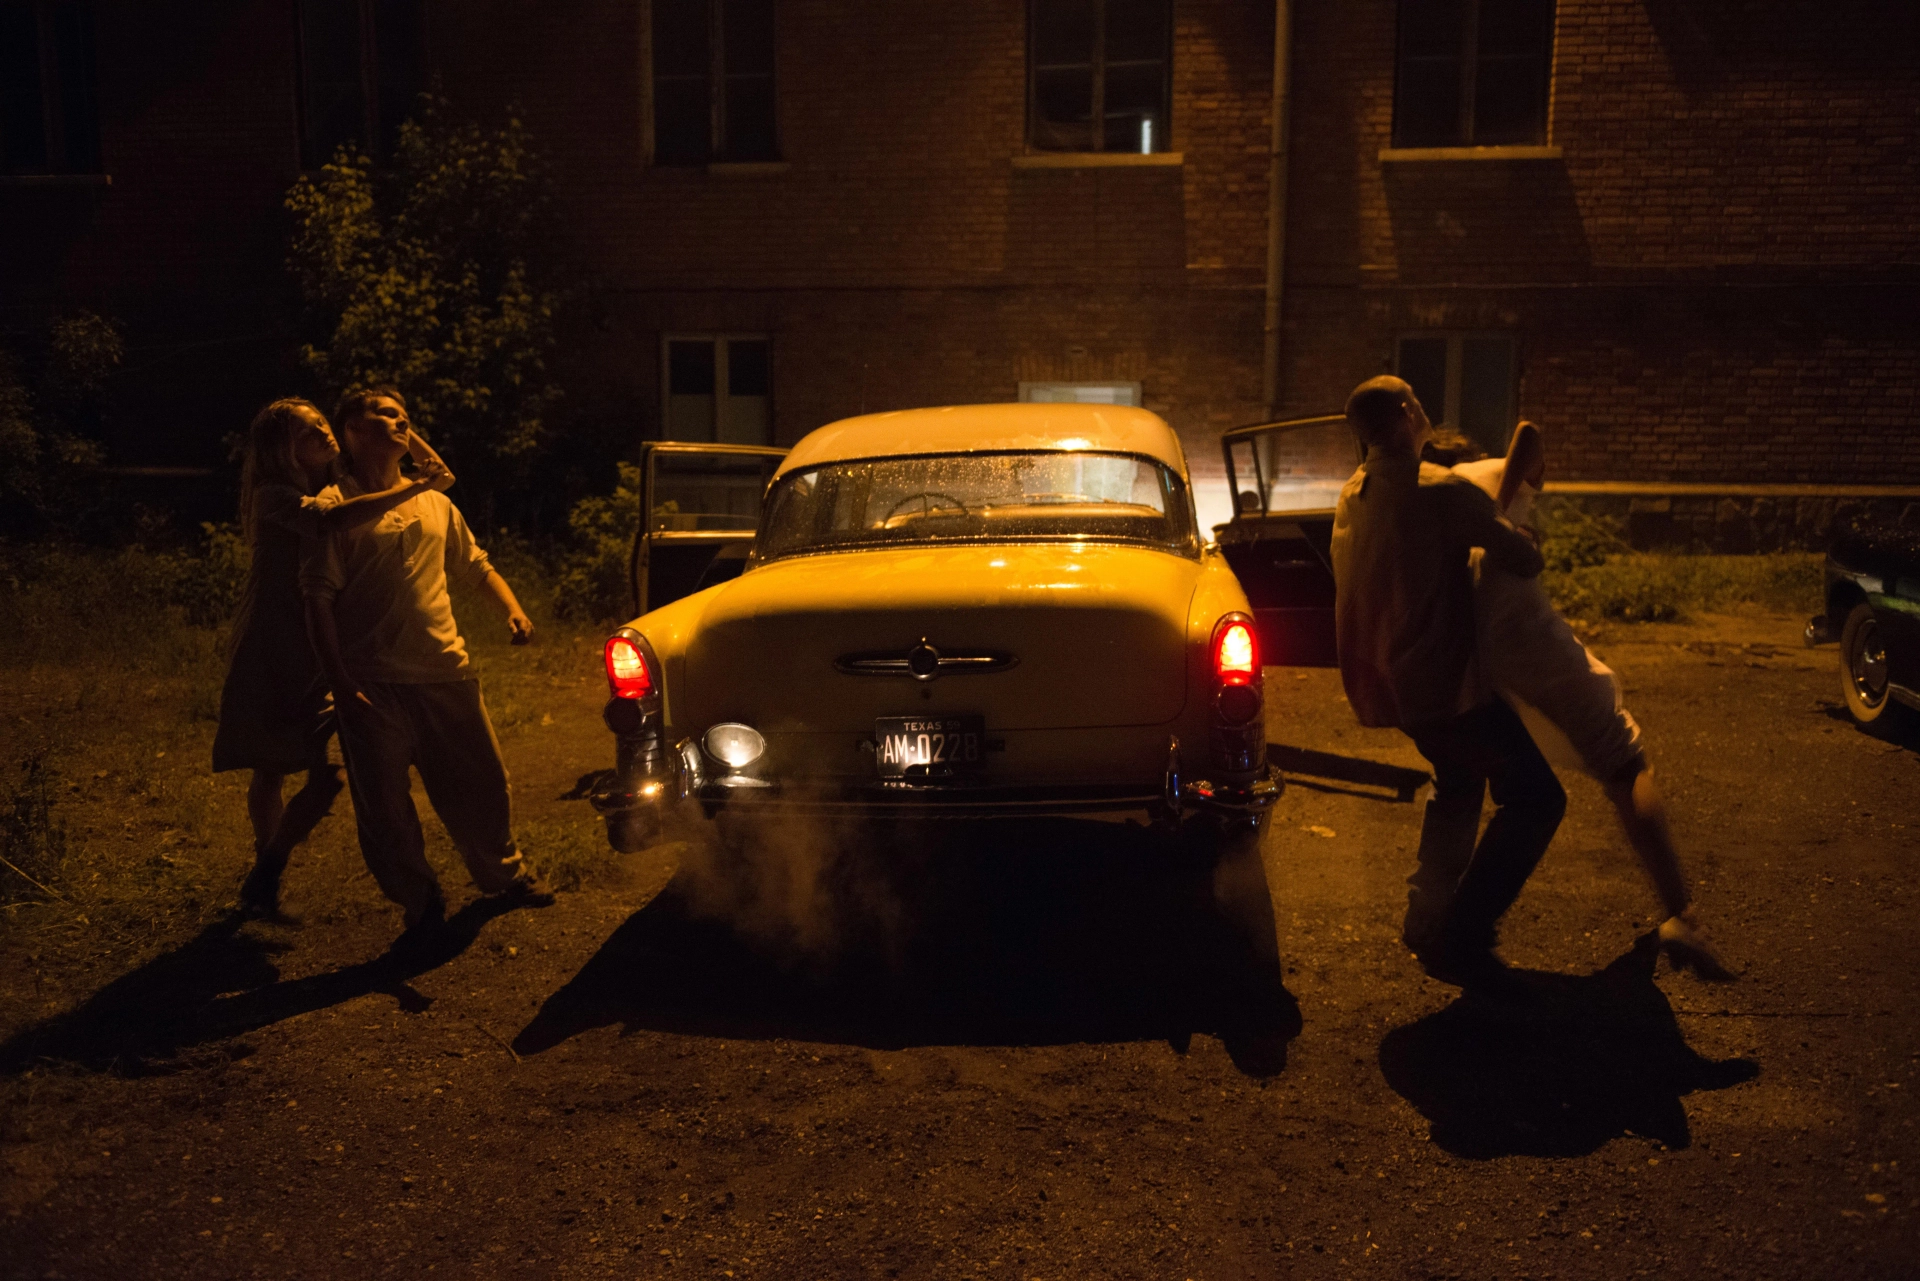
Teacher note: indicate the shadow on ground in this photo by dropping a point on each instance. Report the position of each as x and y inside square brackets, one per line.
[983, 933]
[1349, 775]
[220, 984]
[1556, 1066]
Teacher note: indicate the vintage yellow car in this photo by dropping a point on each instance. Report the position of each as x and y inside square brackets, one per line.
[980, 610]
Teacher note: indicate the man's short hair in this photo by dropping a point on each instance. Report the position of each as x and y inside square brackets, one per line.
[360, 399]
[1374, 408]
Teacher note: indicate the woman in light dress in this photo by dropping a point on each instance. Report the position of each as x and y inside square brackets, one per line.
[275, 712]
[1569, 699]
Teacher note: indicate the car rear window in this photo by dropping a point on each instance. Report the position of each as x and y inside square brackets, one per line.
[1039, 496]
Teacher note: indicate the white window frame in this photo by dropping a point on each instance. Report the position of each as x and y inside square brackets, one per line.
[723, 341]
[1457, 340]
[1036, 392]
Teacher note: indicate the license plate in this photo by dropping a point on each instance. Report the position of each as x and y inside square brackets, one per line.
[928, 746]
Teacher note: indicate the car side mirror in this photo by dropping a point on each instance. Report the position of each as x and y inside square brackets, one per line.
[1248, 503]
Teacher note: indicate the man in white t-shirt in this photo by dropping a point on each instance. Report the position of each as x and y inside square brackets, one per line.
[383, 628]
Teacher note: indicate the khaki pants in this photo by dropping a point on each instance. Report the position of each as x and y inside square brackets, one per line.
[442, 730]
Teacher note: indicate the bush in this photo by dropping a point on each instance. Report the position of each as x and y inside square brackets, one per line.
[33, 842]
[52, 387]
[1647, 588]
[592, 583]
[204, 583]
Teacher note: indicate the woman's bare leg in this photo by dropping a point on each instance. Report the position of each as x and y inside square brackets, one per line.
[1643, 814]
[264, 806]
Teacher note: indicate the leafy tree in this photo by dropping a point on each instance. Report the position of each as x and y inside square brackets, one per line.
[427, 274]
[51, 391]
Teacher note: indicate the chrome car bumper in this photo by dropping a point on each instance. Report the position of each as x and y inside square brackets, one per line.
[1172, 799]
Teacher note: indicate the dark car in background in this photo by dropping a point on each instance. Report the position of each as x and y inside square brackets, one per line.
[1873, 610]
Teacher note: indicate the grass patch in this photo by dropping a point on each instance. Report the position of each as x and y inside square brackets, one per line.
[33, 840]
[571, 853]
[1640, 587]
[1594, 574]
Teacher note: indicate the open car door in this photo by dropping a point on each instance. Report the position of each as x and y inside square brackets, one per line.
[1285, 478]
[700, 509]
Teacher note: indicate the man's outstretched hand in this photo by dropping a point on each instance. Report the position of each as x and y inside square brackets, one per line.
[519, 627]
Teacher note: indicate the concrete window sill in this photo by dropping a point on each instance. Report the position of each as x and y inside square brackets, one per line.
[1400, 155]
[1099, 160]
[56, 180]
[747, 168]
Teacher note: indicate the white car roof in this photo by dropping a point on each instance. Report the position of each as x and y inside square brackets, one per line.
[963, 429]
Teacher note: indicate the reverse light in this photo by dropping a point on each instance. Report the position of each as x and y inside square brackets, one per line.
[1236, 657]
[734, 745]
[627, 673]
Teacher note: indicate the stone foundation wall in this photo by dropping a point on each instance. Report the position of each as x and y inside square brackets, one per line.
[1731, 523]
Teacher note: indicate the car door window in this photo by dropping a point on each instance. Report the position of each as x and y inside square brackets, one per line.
[702, 507]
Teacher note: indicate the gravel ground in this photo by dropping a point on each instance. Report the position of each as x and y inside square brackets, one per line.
[1001, 1053]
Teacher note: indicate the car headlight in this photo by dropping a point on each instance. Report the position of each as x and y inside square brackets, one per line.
[734, 745]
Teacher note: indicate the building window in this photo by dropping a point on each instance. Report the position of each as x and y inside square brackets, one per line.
[1464, 381]
[1081, 393]
[1473, 73]
[1098, 77]
[49, 122]
[362, 65]
[719, 387]
[713, 81]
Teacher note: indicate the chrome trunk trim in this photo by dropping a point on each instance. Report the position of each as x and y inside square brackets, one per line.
[924, 662]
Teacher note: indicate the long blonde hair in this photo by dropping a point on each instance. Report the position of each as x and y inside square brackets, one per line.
[269, 457]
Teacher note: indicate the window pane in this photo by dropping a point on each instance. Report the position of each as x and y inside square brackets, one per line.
[748, 38]
[1135, 94]
[1426, 106]
[1063, 109]
[80, 116]
[750, 132]
[1426, 101]
[1510, 102]
[680, 46]
[749, 367]
[1423, 363]
[1136, 30]
[1063, 32]
[1432, 28]
[400, 49]
[1515, 28]
[330, 75]
[708, 491]
[1486, 392]
[959, 498]
[682, 122]
[23, 127]
[690, 388]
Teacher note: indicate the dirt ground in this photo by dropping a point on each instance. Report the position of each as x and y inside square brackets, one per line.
[996, 1052]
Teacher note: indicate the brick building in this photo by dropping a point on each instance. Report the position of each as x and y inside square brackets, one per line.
[1677, 231]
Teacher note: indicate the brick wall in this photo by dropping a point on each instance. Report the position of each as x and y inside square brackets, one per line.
[1708, 285]
[1712, 282]
[185, 248]
[901, 258]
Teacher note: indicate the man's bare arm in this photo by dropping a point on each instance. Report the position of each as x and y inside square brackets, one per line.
[519, 626]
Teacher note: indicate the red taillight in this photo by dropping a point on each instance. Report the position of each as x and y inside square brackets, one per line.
[627, 672]
[1236, 658]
